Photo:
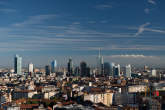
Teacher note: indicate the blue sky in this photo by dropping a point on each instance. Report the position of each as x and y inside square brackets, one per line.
[127, 31]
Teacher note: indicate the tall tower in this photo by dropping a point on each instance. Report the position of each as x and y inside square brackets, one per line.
[31, 68]
[83, 68]
[116, 71]
[128, 71]
[100, 64]
[70, 67]
[119, 69]
[111, 68]
[106, 69]
[18, 64]
[47, 69]
[53, 66]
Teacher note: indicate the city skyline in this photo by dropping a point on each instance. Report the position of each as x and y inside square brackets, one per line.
[129, 32]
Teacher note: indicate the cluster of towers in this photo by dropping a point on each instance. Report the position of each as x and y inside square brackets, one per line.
[82, 70]
[103, 68]
[18, 65]
[52, 68]
[107, 69]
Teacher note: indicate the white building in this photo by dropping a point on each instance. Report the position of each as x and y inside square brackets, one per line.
[137, 88]
[30, 68]
[153, 73]
[105, 98]
[128, 71]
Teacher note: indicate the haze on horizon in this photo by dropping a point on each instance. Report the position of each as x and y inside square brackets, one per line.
[127, 31]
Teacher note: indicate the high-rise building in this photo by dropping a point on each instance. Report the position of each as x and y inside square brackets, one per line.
[53, 66]
[47, 69]
[88, 72]
[111, 68]
[119, 69]
[128, 71]
[116, 71]
[83, 68]
[107, 69]
[70, 67]
[18, 64]
[77, 71]
[100, 64]
[30, 68]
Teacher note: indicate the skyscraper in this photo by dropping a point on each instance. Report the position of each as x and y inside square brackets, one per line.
[53, 66]
[18, 64]
[77, 71]
[70, 67]
[100, 64]
[107, 69]
[111, 68]
[83, 68]
[47, 69]
[30, 68]
[116, 71]
[128, 71]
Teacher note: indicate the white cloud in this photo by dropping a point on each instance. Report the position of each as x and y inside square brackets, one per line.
[104, 6]
[104, 21]
[152, 2]
[91, 22]
[131, 56]
[141, 29]
[155, 30]
[147, 10]
[38, 19]
[3, 3]
[76, 23]
[7, 10]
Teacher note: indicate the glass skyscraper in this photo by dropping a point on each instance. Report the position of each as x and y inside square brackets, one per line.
[100, 64]
[70, 67]
[53, 66]
[18, 64]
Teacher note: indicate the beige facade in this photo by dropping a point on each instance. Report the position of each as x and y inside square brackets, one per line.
[105, 98]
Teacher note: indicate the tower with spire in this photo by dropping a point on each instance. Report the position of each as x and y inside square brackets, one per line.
[100, 64]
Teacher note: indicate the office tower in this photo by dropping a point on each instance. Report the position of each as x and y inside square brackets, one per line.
[116, 71]
[107, 69]
[111, 68]
[128, 71]
[18, 64]
[47, 69]
[70, 67]
[153, 72]
[88, 72]
[53, 66]
[100, 64]
[83, 68]
[30, 68]
[77, 71]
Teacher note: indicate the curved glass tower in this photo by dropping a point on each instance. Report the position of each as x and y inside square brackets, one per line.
[18, 64]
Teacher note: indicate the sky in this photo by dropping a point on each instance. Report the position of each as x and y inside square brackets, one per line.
[127, 31]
